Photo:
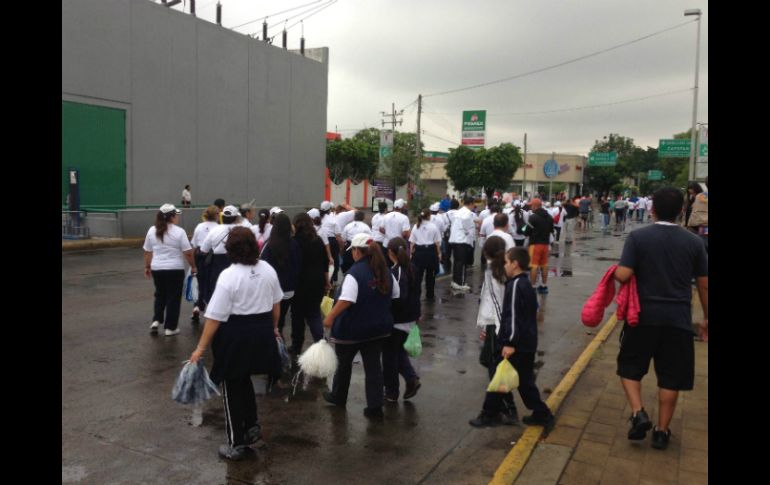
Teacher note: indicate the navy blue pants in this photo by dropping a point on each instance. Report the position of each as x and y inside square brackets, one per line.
[426, 262]
[371, 353]
[395, 361]
[168, 296]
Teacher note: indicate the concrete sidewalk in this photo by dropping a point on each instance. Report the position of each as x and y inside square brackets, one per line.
[589, 443]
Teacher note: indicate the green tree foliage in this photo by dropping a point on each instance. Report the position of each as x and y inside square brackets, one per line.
[461, 167]
[491, 168]
[350, 158]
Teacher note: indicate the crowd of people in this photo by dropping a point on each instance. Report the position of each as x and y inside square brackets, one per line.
[250, 275]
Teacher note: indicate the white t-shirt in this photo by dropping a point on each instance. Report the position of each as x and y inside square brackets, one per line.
[217, 238]
[245, 223]
[201, 231]
[376, 224]
[514, 228]
[649, 204]
[506, 237]
[349, 291]
[353, 228]
[395, 223]
[489, 313]
[168, 253]
[425, 235]
[440, 221]
[642, 204]
[486, 228]
[555, 210]
[463, 229]
[343, 219]
[329, 225]
[186, 195]
[244, 290]
[484, 214]
[266, 235]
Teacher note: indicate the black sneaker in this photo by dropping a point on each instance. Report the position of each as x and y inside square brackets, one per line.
[509, 419]
[546, 422]
[483, 420]
[640, 424]
[329, 397]
[253, 434]
[234, 453]
[660, 439]
[411, 388]
[374, 414]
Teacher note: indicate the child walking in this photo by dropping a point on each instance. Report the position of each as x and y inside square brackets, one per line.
[517, 341]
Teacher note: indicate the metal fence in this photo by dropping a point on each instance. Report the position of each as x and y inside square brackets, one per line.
[74, 225]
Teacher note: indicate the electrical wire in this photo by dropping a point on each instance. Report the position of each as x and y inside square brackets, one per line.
[439, 138]
[286, 20]
[304, 18]
[576, 108]
[274, 14]
[510, 78]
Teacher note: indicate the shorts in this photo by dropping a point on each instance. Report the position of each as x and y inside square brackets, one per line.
[672, 349]
[538, 255]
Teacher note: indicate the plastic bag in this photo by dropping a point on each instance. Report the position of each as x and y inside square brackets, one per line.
[413, 344]
[188, 287]
[441, 271]
[194, 289]
[326, 305]
[506, 378]
[193, 386]
[285, 359]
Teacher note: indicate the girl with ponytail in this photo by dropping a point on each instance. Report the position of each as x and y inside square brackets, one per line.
[361, 321]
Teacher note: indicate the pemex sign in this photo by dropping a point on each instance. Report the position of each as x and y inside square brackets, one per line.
[474, 128]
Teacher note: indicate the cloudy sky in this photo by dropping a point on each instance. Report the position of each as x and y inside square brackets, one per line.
[389, 51]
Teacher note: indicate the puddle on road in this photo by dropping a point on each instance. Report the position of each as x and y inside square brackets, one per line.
[291, 440]
[604, 258]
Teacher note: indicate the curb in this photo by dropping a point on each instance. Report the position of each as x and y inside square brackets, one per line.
[101, 244]
[517, 458]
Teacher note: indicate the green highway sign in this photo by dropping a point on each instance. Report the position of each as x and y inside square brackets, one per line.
[674, 148]
[385, 152]
[655, 175]
[602, 159]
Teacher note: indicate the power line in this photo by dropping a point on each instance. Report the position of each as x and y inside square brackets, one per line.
[274, 14]
[304, 18]
[439, 138]
[286, 20]
[576, 108]
[561, 63]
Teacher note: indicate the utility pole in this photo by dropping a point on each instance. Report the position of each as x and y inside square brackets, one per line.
[418, 154]
[524, 182]
[393, 123]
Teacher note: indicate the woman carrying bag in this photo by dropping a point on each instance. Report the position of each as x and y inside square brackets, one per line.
[213, 247]
[406, 312]
[361, 320]
[242, 326]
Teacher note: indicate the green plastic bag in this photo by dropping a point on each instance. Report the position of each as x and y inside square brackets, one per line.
[413, 344]
[506, 378]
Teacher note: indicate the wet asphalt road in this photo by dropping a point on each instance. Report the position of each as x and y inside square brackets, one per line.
[120, 426]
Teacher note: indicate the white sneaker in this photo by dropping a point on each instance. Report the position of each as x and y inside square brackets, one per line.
[457, 287]
[465, 288]
[169, 333]
[154, 327]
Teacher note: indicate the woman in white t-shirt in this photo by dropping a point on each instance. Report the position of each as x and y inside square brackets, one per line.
[242, 326]
[210, 221]
[165, 249]
[262, 229]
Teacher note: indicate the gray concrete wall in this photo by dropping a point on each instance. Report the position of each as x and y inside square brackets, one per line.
[231, 116]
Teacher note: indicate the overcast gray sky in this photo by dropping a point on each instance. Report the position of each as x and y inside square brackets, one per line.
[389, 51]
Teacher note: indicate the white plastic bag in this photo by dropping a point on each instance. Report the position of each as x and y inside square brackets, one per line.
[193, 386]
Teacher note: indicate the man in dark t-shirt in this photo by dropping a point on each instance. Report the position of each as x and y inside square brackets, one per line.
[664, 258]
[570, 216]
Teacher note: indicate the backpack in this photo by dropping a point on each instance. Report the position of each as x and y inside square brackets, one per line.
[518, 217]
[557, 217]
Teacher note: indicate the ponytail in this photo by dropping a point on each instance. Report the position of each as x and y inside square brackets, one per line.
[161, 224]
[424, 216]
[397, 246]
[373, 253]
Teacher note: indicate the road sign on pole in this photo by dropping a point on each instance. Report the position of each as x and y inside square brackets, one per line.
[474, 128]
[679, 148]
[602, 159]
[655, 175]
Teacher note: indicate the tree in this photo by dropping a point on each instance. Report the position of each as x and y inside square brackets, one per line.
[350, 158]
[460, 167]
[602, 179]
[495, 167]
[491, 168]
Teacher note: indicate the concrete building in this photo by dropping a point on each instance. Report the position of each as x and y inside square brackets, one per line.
[154, 99]
[530, 178]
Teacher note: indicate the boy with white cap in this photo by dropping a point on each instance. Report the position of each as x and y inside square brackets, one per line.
[396, 223]
[329, 235]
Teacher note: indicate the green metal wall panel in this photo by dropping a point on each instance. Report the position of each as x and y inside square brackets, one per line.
[94, 142]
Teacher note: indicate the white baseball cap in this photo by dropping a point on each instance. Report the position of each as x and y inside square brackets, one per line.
[313, 213]
[275, 210]
[434, 207]
[326, 205]
[166, 208]
[230, 211]
[399, 204]
[557, 204]
[361, 240]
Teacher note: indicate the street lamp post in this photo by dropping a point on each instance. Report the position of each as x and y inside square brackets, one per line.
[697, 12]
